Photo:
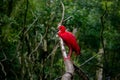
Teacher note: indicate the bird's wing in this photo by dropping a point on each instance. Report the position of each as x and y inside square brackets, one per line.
[71, 41]
[68, 37]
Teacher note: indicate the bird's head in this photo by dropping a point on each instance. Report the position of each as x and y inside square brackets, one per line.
[62, 28]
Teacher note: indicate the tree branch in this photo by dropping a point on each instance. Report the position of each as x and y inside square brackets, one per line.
[2, 66]
[88, 60]
[63, 48]
[80, 73]
[68, 64]
[63, 12]
[102, 18]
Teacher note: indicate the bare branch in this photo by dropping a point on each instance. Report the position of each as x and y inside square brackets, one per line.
[67, 18]
[30, 26]
[63, 48]
[53, 51]
[63, 12]
[36, 48]
[88, 60]
[69, 70]
[5, 57]
[80, 73]
[3, 70]
[2, 66]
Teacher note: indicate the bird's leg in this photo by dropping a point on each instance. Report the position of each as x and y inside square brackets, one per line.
[69, 54]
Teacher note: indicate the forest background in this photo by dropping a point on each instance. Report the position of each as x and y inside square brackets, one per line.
[29, 48]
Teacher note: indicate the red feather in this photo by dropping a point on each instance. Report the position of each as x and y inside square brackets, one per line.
[69, 39]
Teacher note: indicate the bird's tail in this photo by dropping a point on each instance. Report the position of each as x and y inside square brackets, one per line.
[78, 51]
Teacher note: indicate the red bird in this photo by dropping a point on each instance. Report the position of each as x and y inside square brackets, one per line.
[70, 40]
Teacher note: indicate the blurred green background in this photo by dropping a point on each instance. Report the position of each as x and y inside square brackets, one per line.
[29, 48]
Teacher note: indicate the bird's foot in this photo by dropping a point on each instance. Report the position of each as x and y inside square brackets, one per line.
[67, 58]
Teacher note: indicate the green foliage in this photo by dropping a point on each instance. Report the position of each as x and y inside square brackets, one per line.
[29, 46]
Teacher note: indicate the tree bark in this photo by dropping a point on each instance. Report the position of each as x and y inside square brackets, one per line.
[69, 68]
[99, 72]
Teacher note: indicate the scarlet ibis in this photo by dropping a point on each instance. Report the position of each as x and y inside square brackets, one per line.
[70, 40]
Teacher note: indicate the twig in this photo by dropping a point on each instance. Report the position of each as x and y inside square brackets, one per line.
[36, 47]
[25, 15]
[91, 58]
[53, 51]
[16, 78]
[5, 57]
[67, 18]
[80, 73]
[2, 66]
[88, 60]
[58, 78]
[63, 12]
[30, 26]
[3, 70]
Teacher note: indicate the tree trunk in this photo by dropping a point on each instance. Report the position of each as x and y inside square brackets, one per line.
[99, 72]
